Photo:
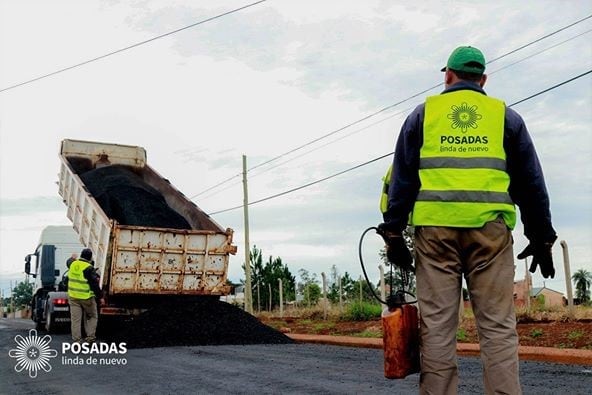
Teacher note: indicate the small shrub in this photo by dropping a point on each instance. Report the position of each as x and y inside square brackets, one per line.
[461, 335]
[536, 332]
[362, 311]
[321, 326]
[369, 333]
[575, 335]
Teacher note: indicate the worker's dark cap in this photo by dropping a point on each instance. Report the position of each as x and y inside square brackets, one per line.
[86, 254]
[467, 59]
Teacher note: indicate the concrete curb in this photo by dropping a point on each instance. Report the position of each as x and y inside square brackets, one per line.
[525, 353]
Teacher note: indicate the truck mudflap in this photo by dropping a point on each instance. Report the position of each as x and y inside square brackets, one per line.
[170, 261]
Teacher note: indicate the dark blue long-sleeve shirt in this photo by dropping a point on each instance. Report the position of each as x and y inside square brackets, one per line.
[527, 185]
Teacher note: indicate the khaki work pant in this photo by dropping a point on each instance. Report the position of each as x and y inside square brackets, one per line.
[83, 309]
[485, 257]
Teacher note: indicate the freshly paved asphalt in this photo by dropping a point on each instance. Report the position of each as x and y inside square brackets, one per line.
[254, 369]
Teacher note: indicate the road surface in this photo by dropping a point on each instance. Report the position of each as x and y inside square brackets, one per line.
[253, 369]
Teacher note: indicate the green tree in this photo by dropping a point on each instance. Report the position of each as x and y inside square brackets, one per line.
[265, 280]
[398, 282]
[582, 280]
[309, 287]
[367, 289]
[22, 294]
[347, 286]
[408, 235]
[334, 278]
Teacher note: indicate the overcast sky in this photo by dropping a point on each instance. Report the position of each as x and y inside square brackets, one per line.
[265, 80]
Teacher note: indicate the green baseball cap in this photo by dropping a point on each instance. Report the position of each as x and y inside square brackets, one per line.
[467, 59]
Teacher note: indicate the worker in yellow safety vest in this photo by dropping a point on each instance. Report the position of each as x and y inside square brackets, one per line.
[462, 160]
[83, 292]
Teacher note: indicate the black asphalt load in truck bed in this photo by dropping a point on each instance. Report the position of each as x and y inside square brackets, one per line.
[204, 321]
[125, 197]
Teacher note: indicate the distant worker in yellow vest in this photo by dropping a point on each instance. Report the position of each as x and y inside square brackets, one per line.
[462, 160]
[83, 290]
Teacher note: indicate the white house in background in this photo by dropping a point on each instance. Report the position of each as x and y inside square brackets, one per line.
[236, 296]
[552, 298]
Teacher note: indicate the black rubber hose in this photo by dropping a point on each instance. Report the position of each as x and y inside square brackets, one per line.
[389, 302]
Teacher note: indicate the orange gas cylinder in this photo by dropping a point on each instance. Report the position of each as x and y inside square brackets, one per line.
[400, 338]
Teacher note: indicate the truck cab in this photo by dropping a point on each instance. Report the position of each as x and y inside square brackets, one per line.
[47, 265]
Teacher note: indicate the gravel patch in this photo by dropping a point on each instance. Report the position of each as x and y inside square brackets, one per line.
[125, 197]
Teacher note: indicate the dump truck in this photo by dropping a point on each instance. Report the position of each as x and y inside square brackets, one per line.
[150, 243]
[48, 265]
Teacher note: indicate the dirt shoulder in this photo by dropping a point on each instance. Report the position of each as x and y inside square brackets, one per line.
[575, 334]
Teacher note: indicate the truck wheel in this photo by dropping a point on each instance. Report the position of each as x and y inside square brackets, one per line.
[35, 317]
[49, 323]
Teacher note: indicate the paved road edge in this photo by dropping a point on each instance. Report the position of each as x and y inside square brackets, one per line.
[526, 353]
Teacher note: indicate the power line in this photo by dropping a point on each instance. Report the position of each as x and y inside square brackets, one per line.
[215, 186]
[551, 88]
[382, 120]
[413, 96]
[539, 52]
[307, 185]
[542, 38]
[388, 154]
[409, 108]
[333, 141]
[296, 157]
[131, 46]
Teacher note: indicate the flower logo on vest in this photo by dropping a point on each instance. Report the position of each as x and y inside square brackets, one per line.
[32, 353]
[464, 117]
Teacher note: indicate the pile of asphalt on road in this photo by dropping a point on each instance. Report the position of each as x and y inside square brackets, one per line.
[125, 197]
[203, 321]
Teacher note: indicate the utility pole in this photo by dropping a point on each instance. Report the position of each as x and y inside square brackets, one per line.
[528, 285]
[324, 295]
[258, 298]
[383, 283]
[281, 298]
[248, 293]
[340, 294]
[12, 301]
[570, 307]
[360, 281]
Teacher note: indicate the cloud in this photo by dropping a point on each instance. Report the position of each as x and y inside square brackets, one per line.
[373, 52]
[263, 81]
[31, 205]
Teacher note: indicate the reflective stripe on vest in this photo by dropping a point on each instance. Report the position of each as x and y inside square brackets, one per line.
[462, 167]
[78, 286]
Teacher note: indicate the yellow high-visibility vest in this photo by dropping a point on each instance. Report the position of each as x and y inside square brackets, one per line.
[78, 286]
[386, 180]
[462, 168]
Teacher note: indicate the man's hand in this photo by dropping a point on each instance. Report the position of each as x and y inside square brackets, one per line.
[397, 252]
[102, 302]
[541, 256]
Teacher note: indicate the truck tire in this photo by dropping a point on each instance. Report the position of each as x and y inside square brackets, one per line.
[50, 325]
[35, 316]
